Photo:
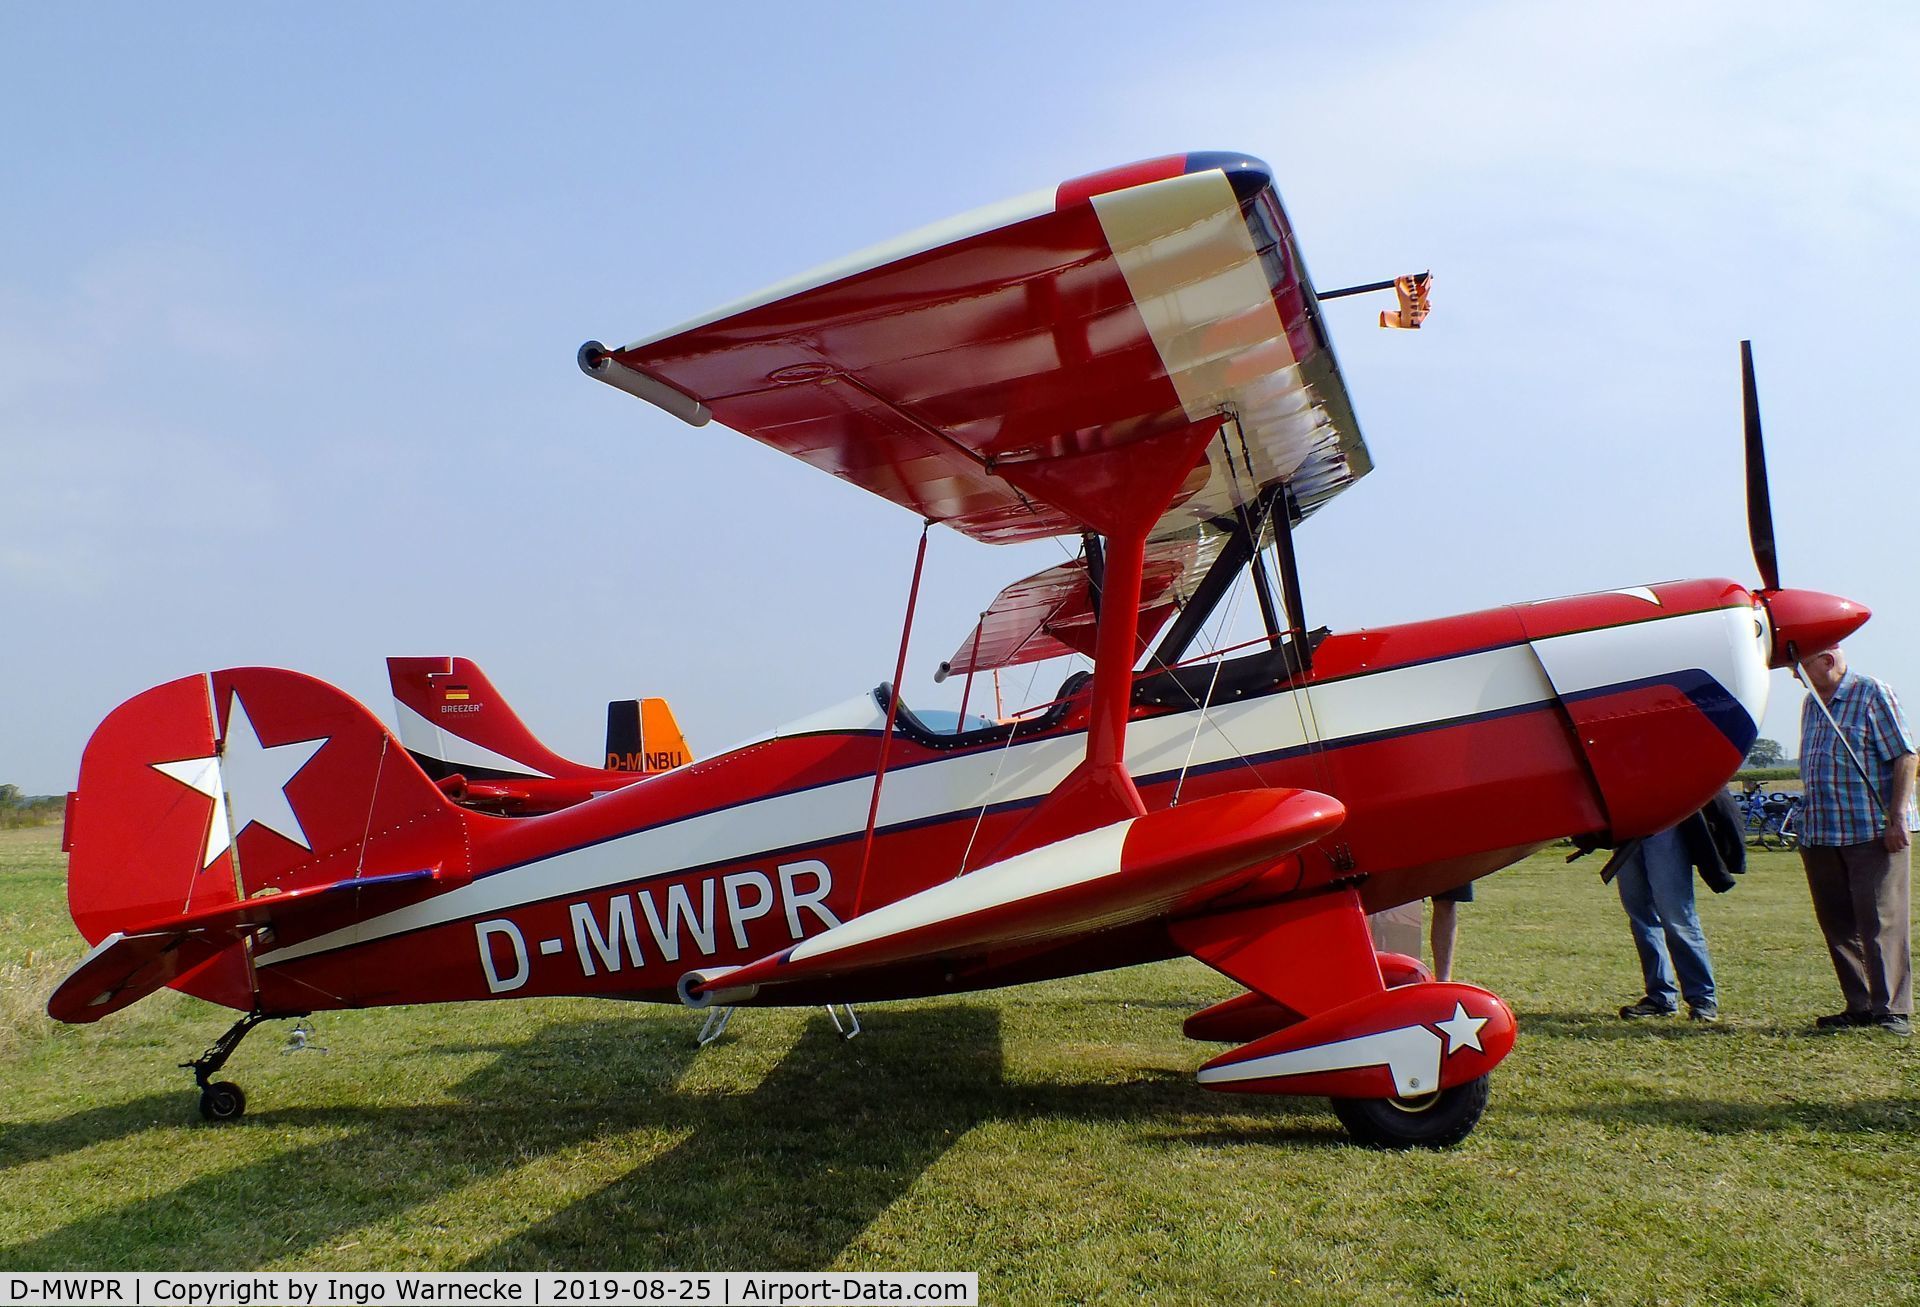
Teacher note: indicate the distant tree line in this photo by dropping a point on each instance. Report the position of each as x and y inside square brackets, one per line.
[17, 809]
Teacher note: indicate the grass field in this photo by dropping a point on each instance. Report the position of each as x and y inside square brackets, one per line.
[1050, 1138]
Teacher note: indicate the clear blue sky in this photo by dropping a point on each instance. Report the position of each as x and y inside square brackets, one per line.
[289, 301]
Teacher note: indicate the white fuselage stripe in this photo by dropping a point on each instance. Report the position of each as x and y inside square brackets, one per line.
[1724, 642]
[1394, 700]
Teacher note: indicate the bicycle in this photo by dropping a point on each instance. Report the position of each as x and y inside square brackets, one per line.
[1772, 820]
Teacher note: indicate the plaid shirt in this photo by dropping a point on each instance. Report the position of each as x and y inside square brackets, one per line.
[1839, 809]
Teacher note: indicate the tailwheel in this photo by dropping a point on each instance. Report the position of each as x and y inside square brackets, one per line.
[1437, 1120]
[222, 1101]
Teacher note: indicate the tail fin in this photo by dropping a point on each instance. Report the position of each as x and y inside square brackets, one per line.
[642, 736]
[453, 720]
[204, 800]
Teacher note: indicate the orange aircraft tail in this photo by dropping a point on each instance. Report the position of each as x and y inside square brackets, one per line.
[643, 736]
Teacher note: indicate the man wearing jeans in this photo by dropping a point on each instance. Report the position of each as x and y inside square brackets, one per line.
[1656, 889]
[1854, 838]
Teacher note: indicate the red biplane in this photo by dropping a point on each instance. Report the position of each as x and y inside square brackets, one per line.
[1135, 358]
[465, 735]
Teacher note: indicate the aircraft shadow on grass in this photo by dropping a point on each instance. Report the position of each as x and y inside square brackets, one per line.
[37, 1141]
[785, 1175]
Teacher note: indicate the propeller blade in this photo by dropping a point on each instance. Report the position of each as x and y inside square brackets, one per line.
[1759, 502]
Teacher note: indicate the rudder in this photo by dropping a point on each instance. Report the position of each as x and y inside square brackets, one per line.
[241, 784]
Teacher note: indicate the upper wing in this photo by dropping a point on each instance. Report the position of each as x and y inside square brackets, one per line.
[1076, 322]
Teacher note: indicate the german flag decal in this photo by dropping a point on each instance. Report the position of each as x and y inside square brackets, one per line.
[454, 694]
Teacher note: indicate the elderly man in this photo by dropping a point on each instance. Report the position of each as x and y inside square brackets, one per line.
[1854, 838]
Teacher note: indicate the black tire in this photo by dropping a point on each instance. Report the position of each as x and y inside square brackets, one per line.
[1437, 1121]
[222, 1101]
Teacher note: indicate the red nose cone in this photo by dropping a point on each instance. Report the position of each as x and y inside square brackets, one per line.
[1807, 620]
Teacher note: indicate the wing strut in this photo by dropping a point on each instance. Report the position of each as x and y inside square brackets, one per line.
[1100, 790]
[1262, 588]
[1290, 577]
[1095, 554]
[893, 711]
[1241, 550]
[966, 690]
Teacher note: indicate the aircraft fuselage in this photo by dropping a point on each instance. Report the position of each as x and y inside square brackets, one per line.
[1457, 746]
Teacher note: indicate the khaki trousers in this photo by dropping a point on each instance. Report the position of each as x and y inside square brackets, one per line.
[1861, 899]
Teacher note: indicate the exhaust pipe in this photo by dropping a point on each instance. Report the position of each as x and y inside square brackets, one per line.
[696, 989]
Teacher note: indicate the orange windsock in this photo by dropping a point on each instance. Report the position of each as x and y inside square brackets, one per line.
[1415, 294]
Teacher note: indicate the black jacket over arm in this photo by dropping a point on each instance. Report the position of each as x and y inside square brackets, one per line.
[1715, 840]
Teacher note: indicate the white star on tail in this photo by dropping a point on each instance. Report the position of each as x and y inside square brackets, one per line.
[203, 774]
[247, 780]
[1461, 1030]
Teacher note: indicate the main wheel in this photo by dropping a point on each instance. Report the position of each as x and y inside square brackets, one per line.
[1437, 1120]
[222, 1101]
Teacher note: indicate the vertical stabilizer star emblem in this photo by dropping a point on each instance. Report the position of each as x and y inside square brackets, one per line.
[247, 782]
[203, 774]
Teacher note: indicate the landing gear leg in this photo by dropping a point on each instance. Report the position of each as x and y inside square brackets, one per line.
[714, 1026]
[222, 1100]
[849, 1030]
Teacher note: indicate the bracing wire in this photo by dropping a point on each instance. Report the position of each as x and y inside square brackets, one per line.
[1194, 741]
[373, 799]
[986, 798]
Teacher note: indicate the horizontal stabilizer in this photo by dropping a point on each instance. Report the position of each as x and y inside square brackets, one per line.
[1103, 878]
[129, 965]
[299, 908]
[122, 969]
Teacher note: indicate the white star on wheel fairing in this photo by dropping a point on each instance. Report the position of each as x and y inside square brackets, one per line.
[1461, 1030]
